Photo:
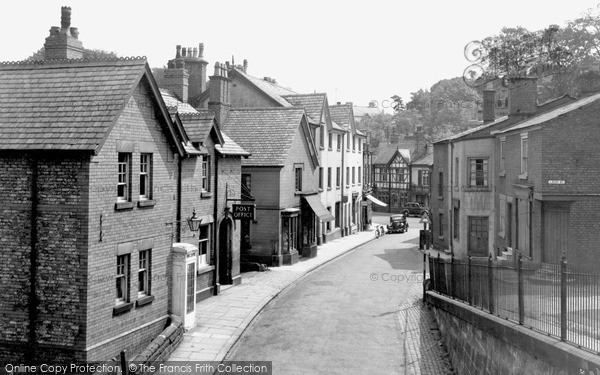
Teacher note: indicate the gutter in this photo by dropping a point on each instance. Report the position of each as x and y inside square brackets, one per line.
[216, 285]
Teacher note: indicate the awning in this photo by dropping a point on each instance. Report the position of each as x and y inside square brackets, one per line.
[319, 209]
[376, 201]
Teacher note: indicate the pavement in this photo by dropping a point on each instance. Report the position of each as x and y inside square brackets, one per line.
[221, 320]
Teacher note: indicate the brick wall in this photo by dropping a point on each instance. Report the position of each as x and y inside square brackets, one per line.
[61, 242]
[107, 334]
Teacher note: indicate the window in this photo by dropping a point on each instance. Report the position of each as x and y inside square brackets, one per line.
[347, 176]
[456, 223]
[330, 140]
[337, 177]
[359, 175]
[322, 136]
[524, 154]
[456, 174]
[359, 145]
[320, 177]
[353, 175]
[354, 144]
[124, 180]
[247, 186]
[441, 185]
[502, 153]
[204, 247]
[145, 176]
[441, 225]
[423, 178]
[339, 142]
[478, 172]
[338, 214]
[122, 279]
[328, 225]
[144, 273]
[206, 173]
[329, 177]
[298, 178]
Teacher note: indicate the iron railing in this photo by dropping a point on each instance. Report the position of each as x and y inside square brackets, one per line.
[549, 298]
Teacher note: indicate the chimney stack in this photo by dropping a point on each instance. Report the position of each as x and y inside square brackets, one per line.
[63, 42]
[189, 85]
[522, 94]
[489, 104]
[219, 95]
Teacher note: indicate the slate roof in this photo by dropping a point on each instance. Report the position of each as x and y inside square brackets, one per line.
[386, 155]
[229, 147]
[341, 114]
[197, 124]
[64, 104]
[267, 133]
[172, 101]
[273, 90]
[425, 160]
[313, 104]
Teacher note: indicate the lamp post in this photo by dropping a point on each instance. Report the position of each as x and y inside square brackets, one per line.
[194, 222]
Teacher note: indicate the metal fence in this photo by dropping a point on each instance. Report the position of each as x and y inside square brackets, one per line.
[549, 298]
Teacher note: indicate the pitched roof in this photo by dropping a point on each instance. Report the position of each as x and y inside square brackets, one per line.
[197, 124]
[341, 114]
[425, 160]
[64, 104]
[267, 133]
[504, 122]
[386, 155]
[552, 114]
[229, 147]
[172, 101]
[313, 104]
[272, 90]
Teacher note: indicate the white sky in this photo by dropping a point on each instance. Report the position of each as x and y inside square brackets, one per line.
[353, 51]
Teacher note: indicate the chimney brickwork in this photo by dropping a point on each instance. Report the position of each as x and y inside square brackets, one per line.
[177, 80]
[190, 85]
[63, 42]
[522, 96]
[489, 103]
[219, 95]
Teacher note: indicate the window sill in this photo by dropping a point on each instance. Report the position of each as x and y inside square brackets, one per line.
[320, 190]
[143, 301]
[476, 189]
[122, 308]
[328, 189]
[337, 188]
[523, 176]
[146, 203]
[339, 150]
[204, 269]
[321, 148]
[502, 173]
[206, 194]
[124, 206]
[330, 149]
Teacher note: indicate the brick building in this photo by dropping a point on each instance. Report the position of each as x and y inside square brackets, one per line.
[97, 180]
[547, 186]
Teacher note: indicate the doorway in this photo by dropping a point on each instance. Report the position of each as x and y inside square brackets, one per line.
[225, 242]
[478, 235]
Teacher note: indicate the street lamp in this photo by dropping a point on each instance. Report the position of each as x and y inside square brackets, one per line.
[194, 222]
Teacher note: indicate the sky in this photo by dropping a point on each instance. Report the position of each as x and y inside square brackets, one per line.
[355, 51]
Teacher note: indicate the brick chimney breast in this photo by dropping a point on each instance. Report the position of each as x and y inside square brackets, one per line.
[522, 94]
[489, 102]
[63, 42]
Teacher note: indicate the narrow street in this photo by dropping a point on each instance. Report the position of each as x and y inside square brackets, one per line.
[359, 314]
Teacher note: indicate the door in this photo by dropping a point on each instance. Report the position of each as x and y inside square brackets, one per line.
[478, 235]
[225, 252]
[556, 231]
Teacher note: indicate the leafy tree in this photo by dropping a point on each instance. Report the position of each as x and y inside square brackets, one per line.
[378, 127]
[87, 54]
[398, 104]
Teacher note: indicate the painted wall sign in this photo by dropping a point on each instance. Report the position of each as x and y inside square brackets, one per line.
[556, 182]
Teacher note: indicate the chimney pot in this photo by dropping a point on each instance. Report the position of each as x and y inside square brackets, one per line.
[245, 65]
[183, 52]
[74, 32]
[217, 69]
[201, 50]
[178, 53]
[65, 19]
[195, 52]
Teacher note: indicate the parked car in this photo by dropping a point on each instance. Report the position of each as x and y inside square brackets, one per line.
[398, 224]
[415, 209]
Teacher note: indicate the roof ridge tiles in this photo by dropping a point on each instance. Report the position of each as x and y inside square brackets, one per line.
[267, 109]
[128, 60]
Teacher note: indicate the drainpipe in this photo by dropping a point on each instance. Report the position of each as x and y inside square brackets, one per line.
[178, 213]
[31, 352]
[451, 202]
[216, 285]
[344, 141]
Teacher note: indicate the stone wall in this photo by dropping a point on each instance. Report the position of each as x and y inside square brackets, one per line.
[482, 343]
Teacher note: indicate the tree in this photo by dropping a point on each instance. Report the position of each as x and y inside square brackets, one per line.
[89, 54]
[378, 127]
[397, 104]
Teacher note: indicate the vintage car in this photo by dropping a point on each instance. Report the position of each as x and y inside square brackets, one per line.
[415, 209]
[398, 224]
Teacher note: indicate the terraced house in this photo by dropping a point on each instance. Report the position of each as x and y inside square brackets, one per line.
[98, 179]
